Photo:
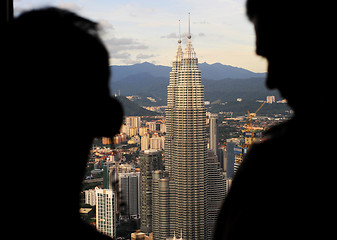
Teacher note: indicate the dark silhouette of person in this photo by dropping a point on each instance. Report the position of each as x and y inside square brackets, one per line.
[285, 186]
[56, 72]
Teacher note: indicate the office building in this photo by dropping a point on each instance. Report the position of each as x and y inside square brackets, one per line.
[213, 127]
[234, 156]
[107, 174]
[215, 191]
[150, 160]
[129, 188]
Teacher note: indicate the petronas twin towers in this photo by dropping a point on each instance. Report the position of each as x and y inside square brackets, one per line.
[187, 163]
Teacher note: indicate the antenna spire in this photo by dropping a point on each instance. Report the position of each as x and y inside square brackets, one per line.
[179, 41]
[189, 26]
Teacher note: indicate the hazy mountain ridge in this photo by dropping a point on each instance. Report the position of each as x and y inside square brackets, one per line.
[133, 109]
[148, 80]
[216, 71]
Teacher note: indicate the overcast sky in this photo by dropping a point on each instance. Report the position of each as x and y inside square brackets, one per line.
[147, 30]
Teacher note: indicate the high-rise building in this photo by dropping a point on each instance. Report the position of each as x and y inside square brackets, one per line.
[133, 122]
[152, 126]
[90, 197]
[107, 177]
[270, 99]
[150, 160]
[163, 127]
[160, 206]
[106, 211]
[216, 192]
[213, 126]
[129, 184]
[186, 150]
[145, 142]
[234, 156]
[156, 143]
[143, 131]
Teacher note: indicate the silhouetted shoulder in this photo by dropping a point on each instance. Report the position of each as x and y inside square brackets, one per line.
[277, 189]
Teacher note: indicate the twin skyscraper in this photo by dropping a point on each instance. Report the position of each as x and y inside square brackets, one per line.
[191, 189]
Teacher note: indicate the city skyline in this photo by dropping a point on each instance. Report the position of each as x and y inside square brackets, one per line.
[138, 31]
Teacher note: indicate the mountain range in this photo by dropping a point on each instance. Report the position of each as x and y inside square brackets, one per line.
[216, 71]
[223, 85]
[221, 82]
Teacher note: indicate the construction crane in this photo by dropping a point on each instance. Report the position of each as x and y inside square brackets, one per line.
[250, 126]
[252, 115]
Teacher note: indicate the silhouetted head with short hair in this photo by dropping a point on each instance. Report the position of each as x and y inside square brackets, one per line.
[58, 74]
[293, 37]
[59, 57]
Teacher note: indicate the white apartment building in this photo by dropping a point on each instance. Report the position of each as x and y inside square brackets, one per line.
[106, 211]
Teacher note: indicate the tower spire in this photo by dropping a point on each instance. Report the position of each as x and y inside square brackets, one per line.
[179, 55]
[179, 41]
[189, 26]
[189, 51]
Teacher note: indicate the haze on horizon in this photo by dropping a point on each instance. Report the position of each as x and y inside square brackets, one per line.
[138, 31]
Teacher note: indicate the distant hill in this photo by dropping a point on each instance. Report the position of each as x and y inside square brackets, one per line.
[133, 109]
[231, 89]
[216, 71]
[145, 85]
[124, 72]
[142, 84]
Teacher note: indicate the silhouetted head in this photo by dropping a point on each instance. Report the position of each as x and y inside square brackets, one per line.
[61, 68]
[291, 36]
[57, 80]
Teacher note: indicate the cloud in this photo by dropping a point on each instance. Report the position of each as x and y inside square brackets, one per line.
[116, 45]
[144, 56]
[171, 35]
[183, 36]
[175, 35]
[201, 22]
[123, 55]
[124, 49]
